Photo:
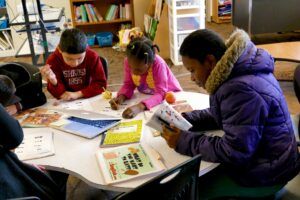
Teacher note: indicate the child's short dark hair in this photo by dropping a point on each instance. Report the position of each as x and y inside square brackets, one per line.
[201, 43]
[73, 41]
[7, 89]
[142, 49]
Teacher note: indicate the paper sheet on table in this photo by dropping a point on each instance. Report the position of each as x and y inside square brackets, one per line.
[81, 104]
[37, 143]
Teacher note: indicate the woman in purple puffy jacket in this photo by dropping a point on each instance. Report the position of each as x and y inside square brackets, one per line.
[258, 148]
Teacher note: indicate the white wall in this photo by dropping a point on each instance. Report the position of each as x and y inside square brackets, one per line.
[140, 8]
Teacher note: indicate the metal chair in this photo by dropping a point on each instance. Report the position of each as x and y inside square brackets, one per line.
[180, 182]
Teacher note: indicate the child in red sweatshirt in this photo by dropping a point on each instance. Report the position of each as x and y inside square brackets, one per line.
[74, 70]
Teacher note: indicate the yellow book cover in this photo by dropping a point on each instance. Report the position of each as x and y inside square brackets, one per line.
[126, 132]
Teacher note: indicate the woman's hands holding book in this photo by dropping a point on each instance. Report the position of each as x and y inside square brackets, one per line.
[171, 134]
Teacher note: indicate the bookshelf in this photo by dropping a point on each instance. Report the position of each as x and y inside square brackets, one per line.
[6, 43]
[221, 11]
[121, 13]
[185, 16]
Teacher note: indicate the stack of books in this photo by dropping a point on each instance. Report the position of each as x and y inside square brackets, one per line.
[118, 12]
[87, 13]
[224, 9]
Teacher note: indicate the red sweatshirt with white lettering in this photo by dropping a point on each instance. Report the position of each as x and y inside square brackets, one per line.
[88, 77]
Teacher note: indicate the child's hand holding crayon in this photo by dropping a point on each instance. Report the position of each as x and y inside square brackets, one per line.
[115, 102]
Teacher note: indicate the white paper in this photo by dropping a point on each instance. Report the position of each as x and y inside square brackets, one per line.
[37, 143]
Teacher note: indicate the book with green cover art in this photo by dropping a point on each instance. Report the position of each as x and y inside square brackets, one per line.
[125, 133]
[127, 162]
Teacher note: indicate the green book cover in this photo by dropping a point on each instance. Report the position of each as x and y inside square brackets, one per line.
[83, 13]
[109, 13]
[153, 28]
[127, 162]
[125, 133]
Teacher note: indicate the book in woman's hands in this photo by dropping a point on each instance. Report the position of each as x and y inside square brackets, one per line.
[128, 162]
[166, 115]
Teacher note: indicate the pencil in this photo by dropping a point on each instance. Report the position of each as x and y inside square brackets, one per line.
[36, 73]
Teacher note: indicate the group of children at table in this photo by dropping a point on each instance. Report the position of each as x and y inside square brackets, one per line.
[258, 148]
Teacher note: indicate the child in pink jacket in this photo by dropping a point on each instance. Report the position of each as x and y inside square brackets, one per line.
[147, 72]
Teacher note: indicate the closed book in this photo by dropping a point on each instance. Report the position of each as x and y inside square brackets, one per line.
[90, 18]
[116, 13]
[107, 14]
[153, 28]
[128, 162]
[78, 14]
[127, 11]
[100, 18]
[91, 8]
[112, 12]
[83, 14]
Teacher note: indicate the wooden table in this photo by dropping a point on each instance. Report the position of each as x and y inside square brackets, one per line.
[285, 51]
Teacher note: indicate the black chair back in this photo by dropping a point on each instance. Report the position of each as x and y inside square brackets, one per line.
[105, 66]
[180, 182]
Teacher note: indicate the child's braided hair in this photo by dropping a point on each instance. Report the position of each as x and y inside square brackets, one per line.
[142, 48]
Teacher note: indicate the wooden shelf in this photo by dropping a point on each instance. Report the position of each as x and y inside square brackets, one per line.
[102, 22]
[102, 7]
[215, 14]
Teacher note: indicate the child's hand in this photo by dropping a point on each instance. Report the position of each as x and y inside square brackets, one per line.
[115, 102]
[69, 96]
[48, 74]
[12, 109]
[132, 111]
[171, 134]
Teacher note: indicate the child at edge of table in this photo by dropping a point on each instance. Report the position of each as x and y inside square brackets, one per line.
[146, 71]
[74, 70]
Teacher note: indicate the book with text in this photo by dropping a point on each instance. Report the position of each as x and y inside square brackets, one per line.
[128, 162]
[37, 143]
[125, 133]
[167, 115]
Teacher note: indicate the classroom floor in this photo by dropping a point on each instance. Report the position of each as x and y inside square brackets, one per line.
[79, 190]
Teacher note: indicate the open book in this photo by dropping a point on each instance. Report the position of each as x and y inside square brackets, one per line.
[167, 115]
[128, 162]
[38, 117]
[124, 133]
[37, 143]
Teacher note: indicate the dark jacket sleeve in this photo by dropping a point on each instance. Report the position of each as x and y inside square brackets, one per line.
[201, 120]
[11, 133]
[243, 115]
